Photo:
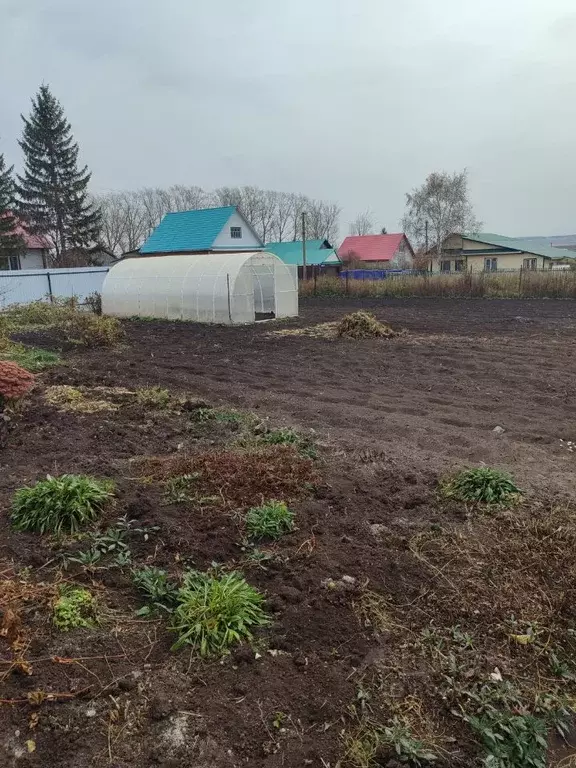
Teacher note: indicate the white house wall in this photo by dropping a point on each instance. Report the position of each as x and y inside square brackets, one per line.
[32, 260]
[248, 241]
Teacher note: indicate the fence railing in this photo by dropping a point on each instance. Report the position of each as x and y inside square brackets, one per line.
[23, 286]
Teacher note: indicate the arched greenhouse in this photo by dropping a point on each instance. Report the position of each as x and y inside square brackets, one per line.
[227, 288]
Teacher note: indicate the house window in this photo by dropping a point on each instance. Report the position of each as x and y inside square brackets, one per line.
[236, 233]
[445, 266]
[530, 264]
[14, 262]
[491, 265]
[460, 265]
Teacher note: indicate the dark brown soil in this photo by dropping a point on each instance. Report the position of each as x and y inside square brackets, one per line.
[390, 416]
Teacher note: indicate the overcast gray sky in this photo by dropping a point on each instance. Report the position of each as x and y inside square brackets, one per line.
[349, 100]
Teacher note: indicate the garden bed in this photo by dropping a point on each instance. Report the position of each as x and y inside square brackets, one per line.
[391, 607]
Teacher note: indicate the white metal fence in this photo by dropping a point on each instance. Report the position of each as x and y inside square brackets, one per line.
[23, 286]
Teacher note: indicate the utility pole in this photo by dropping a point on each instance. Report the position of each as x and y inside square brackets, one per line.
[426, 235]
[304, 245]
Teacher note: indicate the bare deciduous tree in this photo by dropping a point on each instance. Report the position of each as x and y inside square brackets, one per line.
[442, 201]
[129, 217]
[363, 224]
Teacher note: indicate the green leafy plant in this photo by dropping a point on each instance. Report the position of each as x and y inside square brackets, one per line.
[259, 557]
[111, 542]
[216, 611]
[155, 586]
[482, 484]
[76, 607]
[87, 559]
[60, 504]
[407, 747]
[512, 740]
[365, 746]
[271, 520]
[154, 397]
[287, 436]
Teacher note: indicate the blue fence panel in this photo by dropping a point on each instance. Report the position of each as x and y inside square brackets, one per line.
[376, 274]
[23, 286]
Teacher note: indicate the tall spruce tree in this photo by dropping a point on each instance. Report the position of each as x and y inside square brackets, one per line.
[11, 243]
[53, 192]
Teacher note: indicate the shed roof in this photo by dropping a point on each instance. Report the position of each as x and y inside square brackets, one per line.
[372, 247]
[317, 252]
[186, 231]
[523, 245]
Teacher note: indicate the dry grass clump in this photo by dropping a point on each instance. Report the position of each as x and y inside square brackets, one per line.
[76, 324]
[92, 330]
[489, 646]
[67, 398]
[486, 649]
[238, 478]
[363, 325]
[19, 598]
[552, 284]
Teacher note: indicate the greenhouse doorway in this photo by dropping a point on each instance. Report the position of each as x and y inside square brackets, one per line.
[264, 293]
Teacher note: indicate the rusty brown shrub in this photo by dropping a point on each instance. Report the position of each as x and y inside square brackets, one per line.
[14, 381]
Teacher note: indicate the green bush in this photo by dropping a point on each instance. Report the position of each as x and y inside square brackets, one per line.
[271, 520]
[214, 612]
[60, 504]
[76, 607]
[482, 484]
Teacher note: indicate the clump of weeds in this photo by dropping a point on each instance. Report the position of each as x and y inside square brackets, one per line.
[75, 607]
[482, 485]
[159, 592]
[110, 547]
[182, 490]
[286, 436]
[269, 521]
[62, 504]
[155, 398]
[215, 611]
[67, 398]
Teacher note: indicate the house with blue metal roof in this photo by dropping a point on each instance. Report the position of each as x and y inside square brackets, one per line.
[318, 252]
[208, 230]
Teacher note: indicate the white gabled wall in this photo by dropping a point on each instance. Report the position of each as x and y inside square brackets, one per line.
[248, 239]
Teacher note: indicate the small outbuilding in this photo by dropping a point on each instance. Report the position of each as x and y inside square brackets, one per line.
[226, 288]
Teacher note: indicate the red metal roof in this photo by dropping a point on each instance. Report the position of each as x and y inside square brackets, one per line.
[33, 242]
[371, 247]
